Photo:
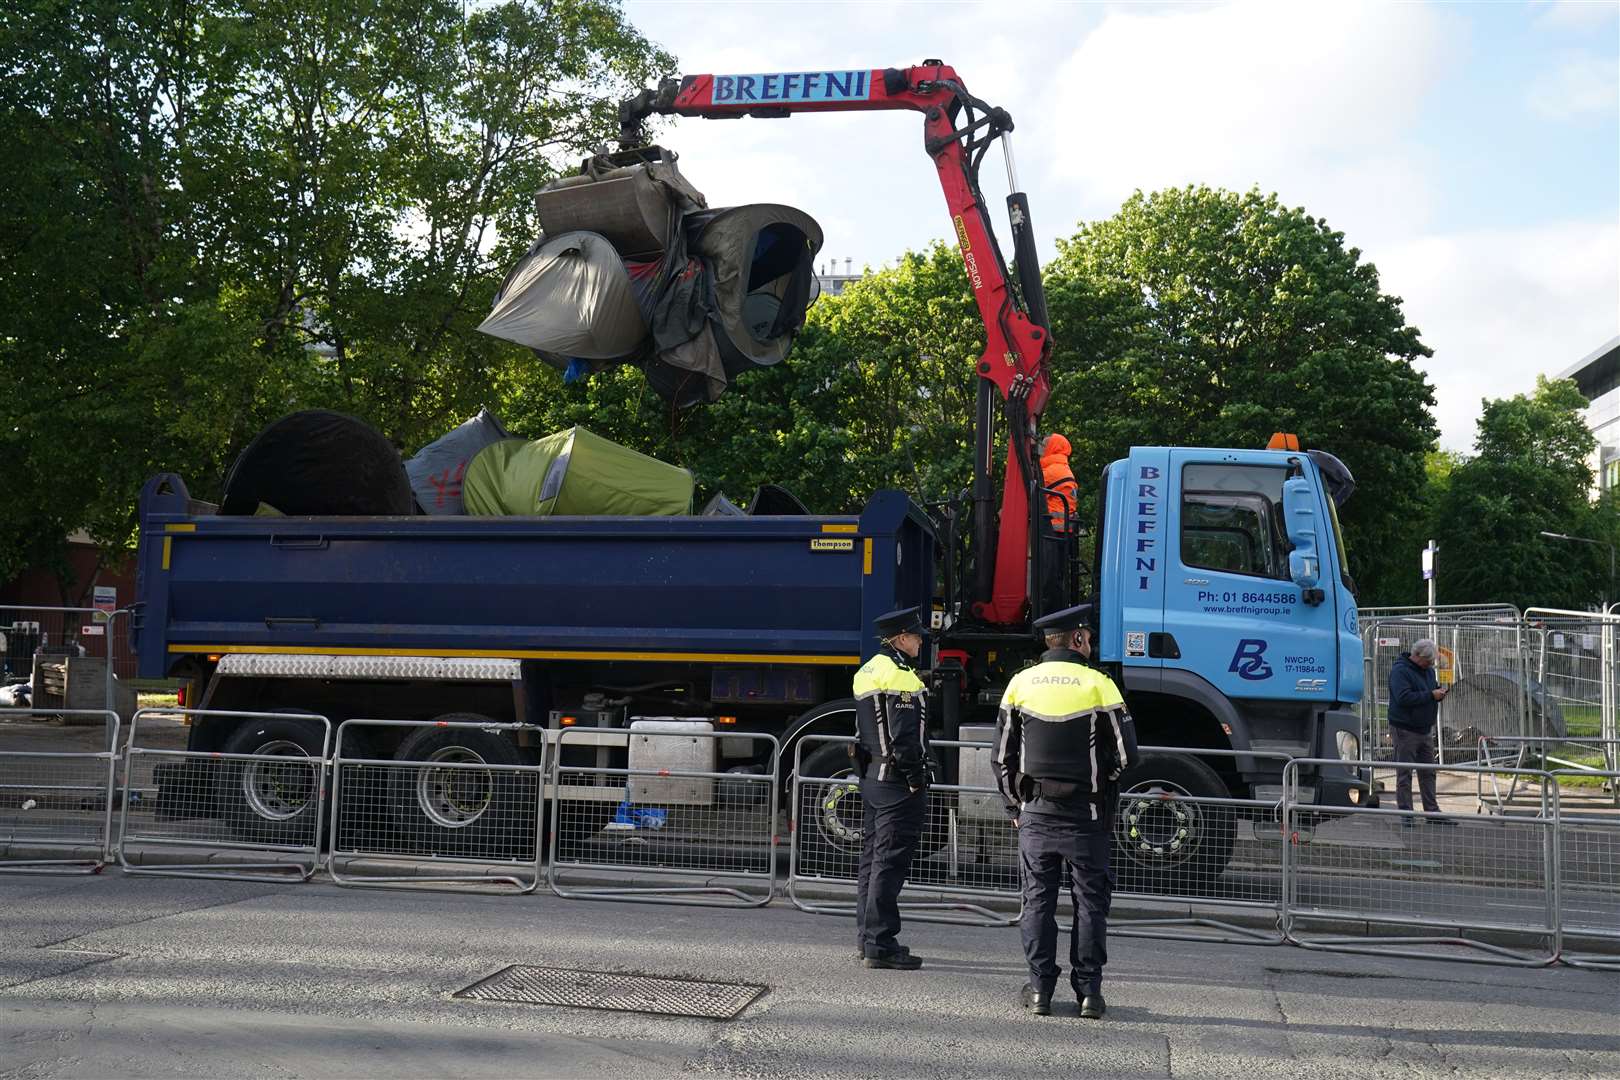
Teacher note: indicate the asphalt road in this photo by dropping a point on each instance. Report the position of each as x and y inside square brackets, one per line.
[111, 975]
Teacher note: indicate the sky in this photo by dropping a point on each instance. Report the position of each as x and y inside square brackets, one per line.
[1471, 151]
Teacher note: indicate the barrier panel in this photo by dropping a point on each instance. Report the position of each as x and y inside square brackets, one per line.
[1588, 851]
[1571, 672]
[1393, 868]
[454, 817]
[268, 804]
[55, 805]
[670, 813]
[969, 848]
[1485, 664]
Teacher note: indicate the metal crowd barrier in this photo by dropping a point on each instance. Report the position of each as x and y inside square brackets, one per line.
[269, 805]
[452, 819]
[639, 824]
[1588, 852]
[969, 849]
[56, 806]
[1409, 869]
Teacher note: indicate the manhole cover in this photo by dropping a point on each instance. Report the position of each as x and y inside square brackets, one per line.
[613, 990]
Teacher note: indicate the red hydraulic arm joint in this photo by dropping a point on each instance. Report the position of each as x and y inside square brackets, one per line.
[1016, 341]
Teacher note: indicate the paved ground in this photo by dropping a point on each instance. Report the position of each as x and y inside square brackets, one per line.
[111, 975]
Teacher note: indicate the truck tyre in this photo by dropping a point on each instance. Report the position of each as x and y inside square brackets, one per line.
[272, 801]
[1162, 842]
[460, 809]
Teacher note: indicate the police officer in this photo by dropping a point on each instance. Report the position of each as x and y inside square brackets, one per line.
[1063, 737]
[891, 713]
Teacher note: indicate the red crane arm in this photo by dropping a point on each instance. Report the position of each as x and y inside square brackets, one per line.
[1016, 340]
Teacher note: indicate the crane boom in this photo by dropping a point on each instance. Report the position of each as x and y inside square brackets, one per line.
[957, 131]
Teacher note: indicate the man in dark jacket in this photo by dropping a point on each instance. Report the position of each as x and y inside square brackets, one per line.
[1414, 704]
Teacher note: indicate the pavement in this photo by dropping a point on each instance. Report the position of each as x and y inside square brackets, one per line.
[112, 975]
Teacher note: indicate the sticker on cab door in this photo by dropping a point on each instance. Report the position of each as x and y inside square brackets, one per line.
[1135, 643]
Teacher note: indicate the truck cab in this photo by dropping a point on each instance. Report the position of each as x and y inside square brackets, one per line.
[1225, 608]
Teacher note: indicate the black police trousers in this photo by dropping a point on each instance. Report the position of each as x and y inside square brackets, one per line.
[1046, 845]
[892, 825]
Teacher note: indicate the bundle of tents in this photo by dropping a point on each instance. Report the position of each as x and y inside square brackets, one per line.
[322, 463]
[633, 267]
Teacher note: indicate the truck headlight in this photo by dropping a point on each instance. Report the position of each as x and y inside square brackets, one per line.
[1349, 745]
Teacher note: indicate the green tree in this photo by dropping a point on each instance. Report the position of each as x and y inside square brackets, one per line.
[222, 211]
[1530, 474]
[1202, 317]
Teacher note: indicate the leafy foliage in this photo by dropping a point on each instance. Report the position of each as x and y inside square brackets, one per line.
[1201, 317]
[1530, 474]
[223, 211]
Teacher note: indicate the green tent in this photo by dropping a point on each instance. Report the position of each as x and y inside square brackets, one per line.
[572, 473]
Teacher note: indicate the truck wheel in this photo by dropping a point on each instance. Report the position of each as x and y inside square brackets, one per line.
[1162, 842]
[460, 809]
[272, 801]
[830, 814]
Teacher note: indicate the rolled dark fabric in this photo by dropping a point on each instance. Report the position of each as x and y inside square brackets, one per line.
[319, 463]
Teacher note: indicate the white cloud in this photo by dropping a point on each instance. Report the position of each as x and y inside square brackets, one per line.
[1582, 84]
[1315, 101]
[1499, 307]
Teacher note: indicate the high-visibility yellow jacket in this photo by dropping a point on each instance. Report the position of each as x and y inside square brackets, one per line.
[891, 716]
[1063, 736]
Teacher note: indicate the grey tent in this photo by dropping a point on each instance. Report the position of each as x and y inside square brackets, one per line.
[438, 468]
[569, 297]
[637, 206]
[1496, 703]
[739, 301]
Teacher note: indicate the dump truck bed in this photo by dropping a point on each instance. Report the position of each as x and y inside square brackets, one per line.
[791, 590]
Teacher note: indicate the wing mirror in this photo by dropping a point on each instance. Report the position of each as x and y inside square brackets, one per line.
[1305, 561]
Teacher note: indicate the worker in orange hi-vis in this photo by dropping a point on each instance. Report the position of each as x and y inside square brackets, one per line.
[1062, 502]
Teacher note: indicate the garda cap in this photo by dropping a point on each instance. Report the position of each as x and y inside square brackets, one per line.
[1068, 619]
[899, 621]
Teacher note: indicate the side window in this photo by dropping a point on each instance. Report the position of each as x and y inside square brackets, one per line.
[1231, 519]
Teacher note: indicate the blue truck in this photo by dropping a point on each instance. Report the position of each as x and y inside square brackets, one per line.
[1224, 606]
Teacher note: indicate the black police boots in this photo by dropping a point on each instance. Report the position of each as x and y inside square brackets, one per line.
[1036, 1001]
[1092, 1006]
[900, 960]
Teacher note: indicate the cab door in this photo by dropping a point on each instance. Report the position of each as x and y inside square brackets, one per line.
[1231, 610]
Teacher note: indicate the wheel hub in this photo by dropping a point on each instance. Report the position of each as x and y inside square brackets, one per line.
[279, 790]
[454, 798]
[838, 813]
[1156, 827]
